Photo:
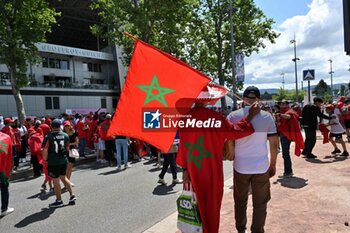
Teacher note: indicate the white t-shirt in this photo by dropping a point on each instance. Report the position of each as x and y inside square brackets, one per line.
[337, 127]
[251, 153]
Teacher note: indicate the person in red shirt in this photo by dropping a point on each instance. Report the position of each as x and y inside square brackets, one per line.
[109, 141]
[83, 131]
[200, 156]
[7, 129]
[5, 171]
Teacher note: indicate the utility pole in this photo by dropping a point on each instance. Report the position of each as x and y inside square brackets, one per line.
[233, 62]
[331, 73]
[282, 80]
[295, 59]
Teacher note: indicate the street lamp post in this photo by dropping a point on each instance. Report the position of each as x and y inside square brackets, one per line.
[282, 74]
[331, 72]
[295, 59]
[233, 57]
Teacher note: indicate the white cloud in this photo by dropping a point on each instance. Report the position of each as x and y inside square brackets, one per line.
[319, 37]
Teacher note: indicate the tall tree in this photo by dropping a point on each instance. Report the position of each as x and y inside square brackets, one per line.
[322, 88]
[160, 23]
[252, 29]
[22, 24]
[196, 31]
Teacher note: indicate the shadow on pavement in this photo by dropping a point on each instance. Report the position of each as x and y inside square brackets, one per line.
[162, 190]
[292, 182]
[36, 217]
[25, 179]
[114, 171]
[335, 159]
[45, 195]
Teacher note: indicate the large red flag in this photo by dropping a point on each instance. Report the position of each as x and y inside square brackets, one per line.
[155, 82]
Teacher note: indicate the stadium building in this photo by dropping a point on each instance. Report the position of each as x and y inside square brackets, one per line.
[78, 72]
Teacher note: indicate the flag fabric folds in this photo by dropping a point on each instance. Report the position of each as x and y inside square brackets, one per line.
[155, 83]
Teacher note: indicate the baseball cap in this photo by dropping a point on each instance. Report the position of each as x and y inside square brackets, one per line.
[8, 120]
[251, 90]
[330, 106]
[56, 123]
[66, 123]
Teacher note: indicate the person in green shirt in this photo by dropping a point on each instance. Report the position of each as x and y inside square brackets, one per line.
[55, 152]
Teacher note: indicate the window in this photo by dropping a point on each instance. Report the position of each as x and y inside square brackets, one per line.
[52, 102]
[45, 62]
[56, 102]
[103, 103]
[48, 103]
[55, 63]
[64, 65]
[92, 67]
[85, 66]
[114, 103]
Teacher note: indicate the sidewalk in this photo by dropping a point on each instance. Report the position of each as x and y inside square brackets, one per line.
[316, 199]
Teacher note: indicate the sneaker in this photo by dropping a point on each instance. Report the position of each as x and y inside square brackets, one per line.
[336, 151]
[6, 212]
[72, 200]
[119, 168]
[288, 175]
[98, 160]
[51, 190]
[312, 156]
[43, 187]
[71, 184]
[177, 181]
[127, 166]
[345, 154]
[161, 181]
[57, 203]
[159, 166]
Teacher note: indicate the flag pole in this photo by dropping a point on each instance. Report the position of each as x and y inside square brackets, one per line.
[130, 36]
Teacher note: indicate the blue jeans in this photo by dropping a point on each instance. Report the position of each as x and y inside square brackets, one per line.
[286, 154]
[122, 144]
[82, 144]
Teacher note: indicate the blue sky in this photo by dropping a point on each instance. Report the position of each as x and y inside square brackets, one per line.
[280, 10]
[318, 28]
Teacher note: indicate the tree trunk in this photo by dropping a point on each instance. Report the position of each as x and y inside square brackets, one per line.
[17, 94]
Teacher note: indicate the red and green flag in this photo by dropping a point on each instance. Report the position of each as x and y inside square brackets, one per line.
[5, 157]
[154, 86]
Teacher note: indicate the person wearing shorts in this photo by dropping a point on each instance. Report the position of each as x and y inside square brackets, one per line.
[55, 152]
[336, 132]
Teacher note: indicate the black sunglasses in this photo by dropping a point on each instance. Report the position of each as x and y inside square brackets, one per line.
[252, 98]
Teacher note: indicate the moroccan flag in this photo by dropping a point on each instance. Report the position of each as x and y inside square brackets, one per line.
[5, 157]
[155, 83]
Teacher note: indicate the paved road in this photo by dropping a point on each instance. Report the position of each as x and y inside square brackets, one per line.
[107, 201]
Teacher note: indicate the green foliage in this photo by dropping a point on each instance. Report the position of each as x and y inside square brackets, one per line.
[196, 31]
[322, 88]
[281, 95]
[342, 90]
[288, 95]
[22, 24]
[160, 23]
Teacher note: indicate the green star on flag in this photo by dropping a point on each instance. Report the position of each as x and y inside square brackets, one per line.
[3, 147]
[198, 145]
[155, 86]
